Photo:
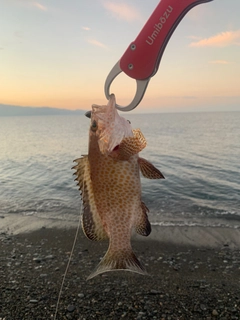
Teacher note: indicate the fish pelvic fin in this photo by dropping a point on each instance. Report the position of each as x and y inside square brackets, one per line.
[130, 146]
[148, 170]
[124, 260]
[91, 221]
[143, 226]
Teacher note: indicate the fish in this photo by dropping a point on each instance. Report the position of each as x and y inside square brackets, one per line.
[109, 181]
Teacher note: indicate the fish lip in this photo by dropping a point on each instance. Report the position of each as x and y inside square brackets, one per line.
[88, 114]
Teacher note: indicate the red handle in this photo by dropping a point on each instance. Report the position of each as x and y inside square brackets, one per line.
[142, 58]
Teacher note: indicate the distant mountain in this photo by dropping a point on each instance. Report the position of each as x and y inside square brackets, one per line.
[9, 110]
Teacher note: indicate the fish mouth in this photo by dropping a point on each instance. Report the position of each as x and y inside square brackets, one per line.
[111, 127]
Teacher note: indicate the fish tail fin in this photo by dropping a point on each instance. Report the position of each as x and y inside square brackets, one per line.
[124, 260]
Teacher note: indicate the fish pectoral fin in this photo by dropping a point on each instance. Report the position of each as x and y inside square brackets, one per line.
[91, 221]
[123, 259]
[148, 170]
[131, 145]
[143, 226]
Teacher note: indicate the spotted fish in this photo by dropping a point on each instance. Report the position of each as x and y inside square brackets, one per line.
[109, 180]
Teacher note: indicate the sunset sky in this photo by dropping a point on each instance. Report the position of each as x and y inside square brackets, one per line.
[58, 53]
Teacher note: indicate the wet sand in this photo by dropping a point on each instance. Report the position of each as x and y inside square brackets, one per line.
[196, 275]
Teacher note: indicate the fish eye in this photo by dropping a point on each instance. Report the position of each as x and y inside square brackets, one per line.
[129, 121]
[94, 125]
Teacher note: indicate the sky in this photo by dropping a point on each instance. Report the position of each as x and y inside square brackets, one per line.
[58, 53]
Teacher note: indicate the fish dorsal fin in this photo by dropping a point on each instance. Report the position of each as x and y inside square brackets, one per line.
[143, 226]
[131, 145]
[91, 221]
[148, 170]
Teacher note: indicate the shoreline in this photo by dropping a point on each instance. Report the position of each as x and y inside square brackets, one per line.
[197, 236]
[185, 281]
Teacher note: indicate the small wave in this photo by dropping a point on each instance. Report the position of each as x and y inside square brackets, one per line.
[193, 224]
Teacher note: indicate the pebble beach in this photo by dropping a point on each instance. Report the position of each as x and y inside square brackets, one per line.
[185, 281]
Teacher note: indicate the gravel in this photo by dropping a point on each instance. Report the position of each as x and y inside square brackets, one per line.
[184, 282]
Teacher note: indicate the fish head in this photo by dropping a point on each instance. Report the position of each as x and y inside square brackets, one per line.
[108, 127]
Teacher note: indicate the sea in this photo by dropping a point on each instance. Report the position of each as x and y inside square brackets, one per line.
[198, 153]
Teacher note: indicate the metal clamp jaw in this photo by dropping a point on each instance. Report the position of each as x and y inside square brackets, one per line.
[141, 88]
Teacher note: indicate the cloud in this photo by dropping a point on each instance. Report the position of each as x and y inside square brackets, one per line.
[96, 43]
[30, 3]
[219, 62]
[122, 11]
[222, 39]
[39, 6]
[194, 37]
[86, 28]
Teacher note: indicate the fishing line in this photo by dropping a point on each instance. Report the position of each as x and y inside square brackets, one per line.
[69, 260]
